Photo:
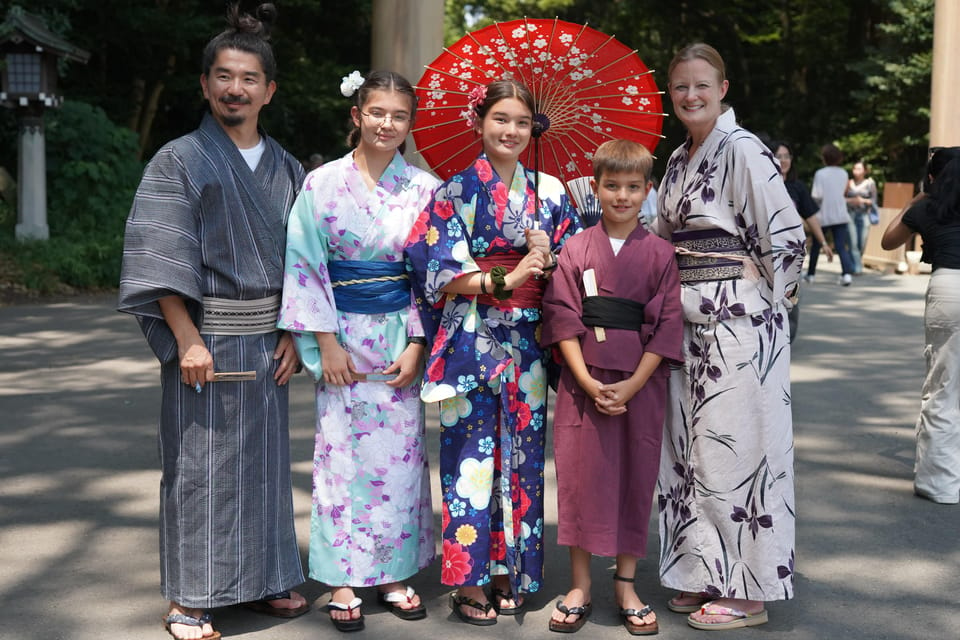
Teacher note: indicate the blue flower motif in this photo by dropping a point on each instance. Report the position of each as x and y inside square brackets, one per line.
[447, 479]
[466, 384]
[486, 445]
[433, 265]
[536, 421]
[458, 508]
[479, 245]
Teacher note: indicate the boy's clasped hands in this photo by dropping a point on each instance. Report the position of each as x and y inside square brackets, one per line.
[611, 399]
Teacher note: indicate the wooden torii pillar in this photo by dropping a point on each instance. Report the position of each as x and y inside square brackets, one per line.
[407, 34]
[945, 83]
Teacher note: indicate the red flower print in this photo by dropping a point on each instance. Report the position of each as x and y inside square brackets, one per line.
[456, 564]
[524, 415]
[514, 403]
[500, 195]
[435, 370]
[443, 209]
[484, 170]
[498, 546]
[501, 366]
[439, 341]
[419, 228]
[521, 503]
[444, 517]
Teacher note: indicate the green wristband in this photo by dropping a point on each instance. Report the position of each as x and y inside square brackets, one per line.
[498, 275]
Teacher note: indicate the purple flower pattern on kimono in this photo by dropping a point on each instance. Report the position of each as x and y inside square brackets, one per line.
[372, 521]
[726, 481]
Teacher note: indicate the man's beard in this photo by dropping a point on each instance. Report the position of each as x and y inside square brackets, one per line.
[232, 120]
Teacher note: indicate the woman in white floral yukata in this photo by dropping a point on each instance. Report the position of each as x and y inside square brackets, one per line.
[347, 295]
[725, 489]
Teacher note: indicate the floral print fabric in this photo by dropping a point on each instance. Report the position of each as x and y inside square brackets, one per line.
[487, 371]
[725, 488]
[372, 520]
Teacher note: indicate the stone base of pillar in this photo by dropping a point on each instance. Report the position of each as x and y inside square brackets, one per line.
[27, 231]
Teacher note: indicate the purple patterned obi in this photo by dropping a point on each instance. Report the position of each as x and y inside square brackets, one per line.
[706, 255]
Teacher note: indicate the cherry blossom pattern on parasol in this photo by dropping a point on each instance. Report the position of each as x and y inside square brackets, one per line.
[589, 88]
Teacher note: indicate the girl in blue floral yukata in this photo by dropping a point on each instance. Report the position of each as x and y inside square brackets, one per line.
[481, 252]
[347, 296]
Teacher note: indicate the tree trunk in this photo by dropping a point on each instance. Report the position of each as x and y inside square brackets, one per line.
[149, 110]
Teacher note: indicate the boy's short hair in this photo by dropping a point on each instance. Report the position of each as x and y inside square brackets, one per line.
[622, 156]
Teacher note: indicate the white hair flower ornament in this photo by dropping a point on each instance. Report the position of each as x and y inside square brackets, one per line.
[351, 83]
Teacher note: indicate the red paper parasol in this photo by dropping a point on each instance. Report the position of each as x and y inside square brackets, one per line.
[590, 87]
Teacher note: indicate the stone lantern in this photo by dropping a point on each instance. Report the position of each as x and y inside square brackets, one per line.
[29, 54]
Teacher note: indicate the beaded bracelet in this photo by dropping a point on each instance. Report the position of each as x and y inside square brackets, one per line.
[553, 263]
[498, 274]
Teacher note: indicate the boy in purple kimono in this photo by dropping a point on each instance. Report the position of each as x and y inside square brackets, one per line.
[617, 340]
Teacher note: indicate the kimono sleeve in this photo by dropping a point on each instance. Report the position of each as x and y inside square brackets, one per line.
[562, 302]
[565, 219]
[766, 219]
[308, 305]
[437, 250]
[662, 331]
[162, 249]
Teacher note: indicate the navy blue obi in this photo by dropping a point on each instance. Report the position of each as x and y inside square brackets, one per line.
[362, 286]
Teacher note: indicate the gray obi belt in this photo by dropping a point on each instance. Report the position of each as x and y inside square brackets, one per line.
[223, 317]
[367, 286]
[612, 312]
[706, 255]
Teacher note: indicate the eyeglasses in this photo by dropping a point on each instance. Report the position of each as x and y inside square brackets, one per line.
[378, 117]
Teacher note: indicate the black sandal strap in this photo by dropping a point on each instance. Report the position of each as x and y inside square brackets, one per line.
[639, 614]
[571, 611]
[501, 594]
[622, 579]
[470, 602]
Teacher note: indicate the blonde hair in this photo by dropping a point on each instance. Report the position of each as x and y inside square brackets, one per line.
[699, 51]
[622, 156]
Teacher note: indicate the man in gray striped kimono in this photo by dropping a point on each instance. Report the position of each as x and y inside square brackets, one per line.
[202, 272]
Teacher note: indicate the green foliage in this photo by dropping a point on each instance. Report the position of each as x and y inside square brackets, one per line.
[854, 72]
[92, 173]
[890, 130]
[62, 263]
